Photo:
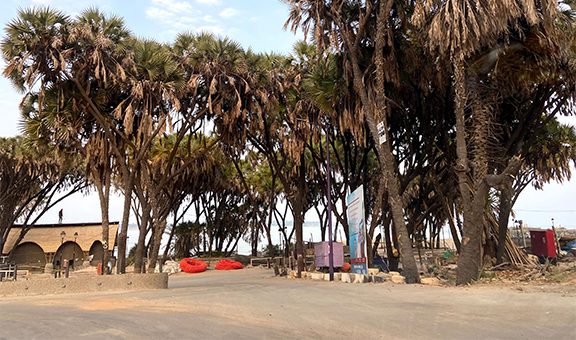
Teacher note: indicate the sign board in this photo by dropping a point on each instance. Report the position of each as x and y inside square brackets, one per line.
[382, 132]
[382, 139]
[357, 231]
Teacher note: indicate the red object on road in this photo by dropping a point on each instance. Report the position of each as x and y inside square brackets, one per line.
[542, 243]
[346, 267]
[228, 265]
[190, 265]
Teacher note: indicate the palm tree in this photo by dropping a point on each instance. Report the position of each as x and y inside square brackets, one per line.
[42, 35]
[63, 55]
[346, 27]
[146, 87]
[32, 47]
[478, 34]
[71, 132]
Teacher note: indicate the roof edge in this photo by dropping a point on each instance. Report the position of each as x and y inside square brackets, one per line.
[65, 225]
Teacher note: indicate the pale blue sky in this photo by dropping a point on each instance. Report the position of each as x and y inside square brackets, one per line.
[253, 23]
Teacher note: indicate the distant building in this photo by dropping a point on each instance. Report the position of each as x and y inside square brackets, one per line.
[53, 243]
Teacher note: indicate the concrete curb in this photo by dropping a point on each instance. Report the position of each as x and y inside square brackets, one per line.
[85, 284]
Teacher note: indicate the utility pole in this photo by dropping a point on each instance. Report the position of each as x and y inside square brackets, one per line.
[520, 226]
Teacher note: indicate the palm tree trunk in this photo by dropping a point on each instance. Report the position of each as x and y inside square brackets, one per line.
[140, 251]
[171, 237]
[269, 223]
[103, 189]
[453, 229]
[376, 217]
[254, 239]
[270, 243]
[387, 162]
[299, 216]
[390, 235]
[158, 230]
[254, 228]
[123, 235]
[470, 259]
[6, 223]
[473, 195]
[503, 215]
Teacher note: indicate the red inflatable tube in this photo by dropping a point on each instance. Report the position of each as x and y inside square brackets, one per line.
[228, 265]
[190, 265]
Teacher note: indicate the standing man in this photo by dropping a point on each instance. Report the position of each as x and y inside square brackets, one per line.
[60, 216]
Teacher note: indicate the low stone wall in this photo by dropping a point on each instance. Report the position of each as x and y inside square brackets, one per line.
[84, 284]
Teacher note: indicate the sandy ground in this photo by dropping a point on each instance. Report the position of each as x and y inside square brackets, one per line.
[252, 304]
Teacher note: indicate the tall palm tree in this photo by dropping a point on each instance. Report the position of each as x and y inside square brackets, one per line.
[478, 33]
[45, 47]
[59, 124]
[103, 61]
[38, 48]
[149, 110]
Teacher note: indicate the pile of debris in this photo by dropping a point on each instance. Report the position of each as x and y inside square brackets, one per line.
[562, 273]
[515, 255]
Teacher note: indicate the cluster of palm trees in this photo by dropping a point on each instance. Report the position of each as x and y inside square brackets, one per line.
[444, 110]
[462, 89]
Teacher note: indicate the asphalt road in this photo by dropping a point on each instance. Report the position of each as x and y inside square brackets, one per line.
[251, 304]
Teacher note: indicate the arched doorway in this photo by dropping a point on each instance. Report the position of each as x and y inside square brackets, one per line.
[29, 255]
[96, 251]
[70, 251]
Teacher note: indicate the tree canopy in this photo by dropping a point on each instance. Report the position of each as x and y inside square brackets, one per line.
[435, 106]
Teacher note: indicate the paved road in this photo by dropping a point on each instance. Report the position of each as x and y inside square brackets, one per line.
[250, 304]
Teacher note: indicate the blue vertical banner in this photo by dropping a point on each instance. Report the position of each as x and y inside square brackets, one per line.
[357, 231]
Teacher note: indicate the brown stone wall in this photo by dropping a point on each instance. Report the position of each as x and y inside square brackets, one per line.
[84, 284]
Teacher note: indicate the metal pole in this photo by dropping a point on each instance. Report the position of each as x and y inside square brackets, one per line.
[280, 248]
[329, 207]
[74, 251]
[62, 235]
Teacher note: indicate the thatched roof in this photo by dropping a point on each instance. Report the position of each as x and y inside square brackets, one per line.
[48, 236]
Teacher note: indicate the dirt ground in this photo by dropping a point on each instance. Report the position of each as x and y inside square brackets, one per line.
[560, 278]
[253, 304]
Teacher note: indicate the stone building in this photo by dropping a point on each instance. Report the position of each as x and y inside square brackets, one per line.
[79, 243]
